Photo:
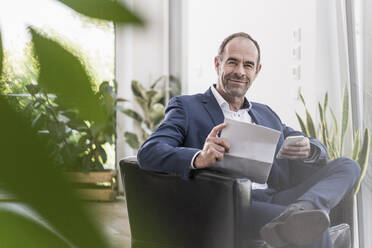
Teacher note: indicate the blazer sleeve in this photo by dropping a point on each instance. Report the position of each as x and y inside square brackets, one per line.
[319, 153]
[163, 151]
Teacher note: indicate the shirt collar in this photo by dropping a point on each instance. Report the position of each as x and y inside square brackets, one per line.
[223, 104]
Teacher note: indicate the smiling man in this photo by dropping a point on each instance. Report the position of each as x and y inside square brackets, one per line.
[282, 214]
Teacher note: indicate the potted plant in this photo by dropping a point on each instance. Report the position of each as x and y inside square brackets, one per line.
[332, 134]
[151, 102]
[78, 144]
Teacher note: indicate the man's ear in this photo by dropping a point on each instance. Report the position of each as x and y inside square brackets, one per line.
[217, 64]
[258, 69]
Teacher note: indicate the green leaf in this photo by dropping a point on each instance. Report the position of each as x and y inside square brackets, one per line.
[310, 125]
[77, 124]
[332, 150]
[175, 86]
[102, 153]
[150, 93]
[34, 122]
[46, 191]
[145, 131]
[34, 234]
[321, 113]
[335, 123]
[302, 124]
[33, 89]
[363, 158]
[356, 145]
[325, 107]
[119, 99]
[133, 114]
[156, 114]
[345, 116]
[138, 90]
[158, 97]
[323, 127]
[325, 103]
[104, 9]
[107, 92]
[143, 103]
[132, 140]
[160, 79]
[62, 73]
[302, 98]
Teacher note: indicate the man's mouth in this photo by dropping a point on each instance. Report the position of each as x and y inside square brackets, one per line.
[238, 81]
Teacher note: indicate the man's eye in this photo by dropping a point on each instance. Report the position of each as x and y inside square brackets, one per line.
[248, 65]
[231, 62]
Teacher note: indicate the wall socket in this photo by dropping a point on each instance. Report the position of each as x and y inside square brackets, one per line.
[296, 52]
[296, 72]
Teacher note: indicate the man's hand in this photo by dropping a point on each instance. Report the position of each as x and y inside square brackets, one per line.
[299, 150]
[213, 150]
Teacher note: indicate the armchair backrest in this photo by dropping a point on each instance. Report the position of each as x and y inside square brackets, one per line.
[167, 211]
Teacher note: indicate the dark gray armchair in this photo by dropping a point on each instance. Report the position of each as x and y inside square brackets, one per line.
[208, 211]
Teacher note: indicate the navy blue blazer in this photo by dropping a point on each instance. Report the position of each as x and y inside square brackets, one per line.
[188, 121]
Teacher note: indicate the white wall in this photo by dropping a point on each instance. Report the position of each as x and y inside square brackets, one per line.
[272, 23]
[141, 54]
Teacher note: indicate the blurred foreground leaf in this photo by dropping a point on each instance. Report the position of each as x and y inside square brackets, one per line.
[103, 9]
[33, 233]
[62, 73]
[28, 172]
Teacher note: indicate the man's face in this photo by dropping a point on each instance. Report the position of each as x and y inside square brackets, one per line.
[237, 68]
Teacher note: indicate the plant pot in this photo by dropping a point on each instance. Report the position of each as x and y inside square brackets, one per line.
[95, 185]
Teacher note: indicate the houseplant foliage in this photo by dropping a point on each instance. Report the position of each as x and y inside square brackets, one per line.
[28, 169]
[332, 133]
[77, 144]
[151, 102]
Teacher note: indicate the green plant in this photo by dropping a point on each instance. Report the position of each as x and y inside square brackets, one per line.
[333, 135]
[151, 101]
[28, 168]
[77, 144]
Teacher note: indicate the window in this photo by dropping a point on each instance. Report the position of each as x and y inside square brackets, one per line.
[89, 39]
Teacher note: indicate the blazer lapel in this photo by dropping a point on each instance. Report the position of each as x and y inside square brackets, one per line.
[258, 118]
[212, 107]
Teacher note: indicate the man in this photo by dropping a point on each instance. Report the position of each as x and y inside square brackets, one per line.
[282, 215]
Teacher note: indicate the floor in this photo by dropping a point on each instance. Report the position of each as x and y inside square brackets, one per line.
[112, 217]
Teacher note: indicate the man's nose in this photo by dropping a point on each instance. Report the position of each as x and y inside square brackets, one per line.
[240, 70]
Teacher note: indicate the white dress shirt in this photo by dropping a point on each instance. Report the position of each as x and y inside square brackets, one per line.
[240, 115]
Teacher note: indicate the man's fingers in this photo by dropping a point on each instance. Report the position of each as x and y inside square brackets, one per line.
[295, 148]
[304, 142]
[216, 129]
[295, 151]
[219, 148]
[215, 155]
[292, 154]
[220, 142]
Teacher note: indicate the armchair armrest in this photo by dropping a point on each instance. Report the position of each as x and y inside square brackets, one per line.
[209, 210]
